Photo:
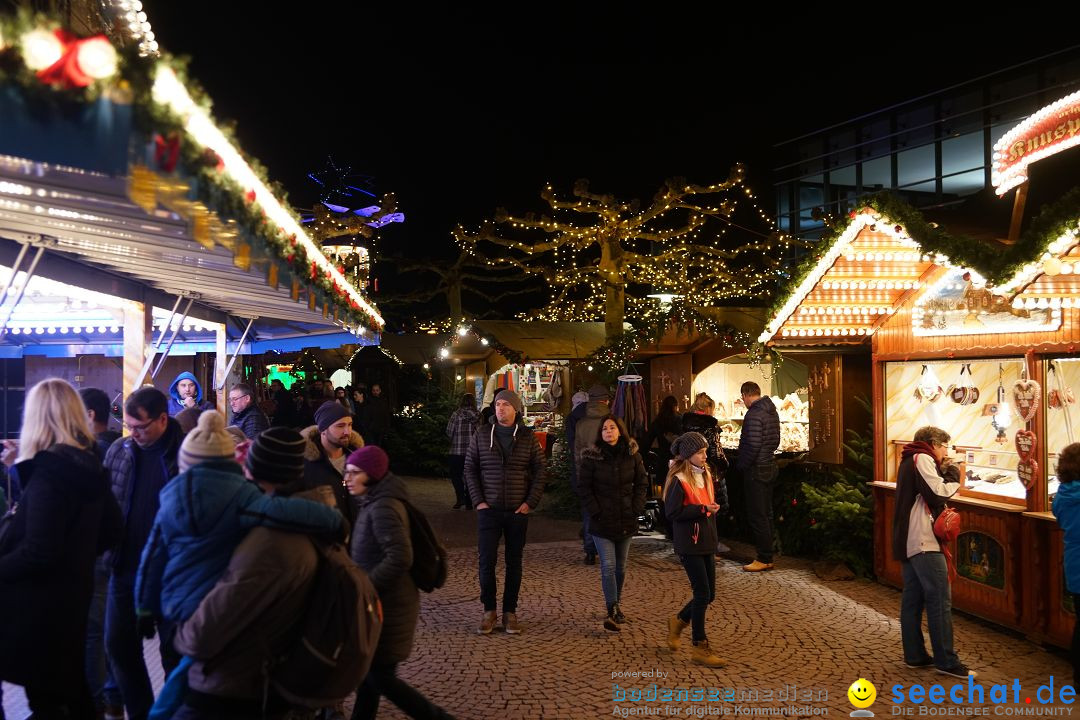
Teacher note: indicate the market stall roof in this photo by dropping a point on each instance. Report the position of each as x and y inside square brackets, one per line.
[888, 256]
[105, 205]
[537, 340]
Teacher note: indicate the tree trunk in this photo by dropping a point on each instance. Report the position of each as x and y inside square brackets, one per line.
[453, 297]
[611, 274]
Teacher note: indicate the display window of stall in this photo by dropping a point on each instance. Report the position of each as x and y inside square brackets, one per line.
[541, 387]
[980, 403]
[786, 385]
[1062, 413]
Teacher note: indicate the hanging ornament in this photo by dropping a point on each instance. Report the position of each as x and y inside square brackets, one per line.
[929, 387]
[96, 57]
[41, 49]
[1026, 442]
[1026, 394]
[1028, 472]
[964, 391]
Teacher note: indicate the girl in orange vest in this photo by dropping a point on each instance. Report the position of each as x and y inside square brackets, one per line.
[690, 506]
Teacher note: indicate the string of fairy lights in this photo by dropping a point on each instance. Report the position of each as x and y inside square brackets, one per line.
[681, 244]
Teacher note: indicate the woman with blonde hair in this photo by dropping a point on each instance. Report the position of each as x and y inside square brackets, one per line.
[690, 506]
[65, 517]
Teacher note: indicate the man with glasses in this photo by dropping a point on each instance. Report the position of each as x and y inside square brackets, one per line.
[139, 466]
[246, 415]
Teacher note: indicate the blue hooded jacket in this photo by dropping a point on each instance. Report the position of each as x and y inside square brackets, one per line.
[204, 514]
[175, 405]
[1067, 511]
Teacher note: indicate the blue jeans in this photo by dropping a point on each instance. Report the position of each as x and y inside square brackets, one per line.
[125, 647]
[492, 525]
[613, 555]
[926, 586]
[701, 570]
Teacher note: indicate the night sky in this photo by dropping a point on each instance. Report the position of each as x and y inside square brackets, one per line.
[460, 112]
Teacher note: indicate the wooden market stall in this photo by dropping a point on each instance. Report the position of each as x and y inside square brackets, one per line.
[979, 338]
[117, 206]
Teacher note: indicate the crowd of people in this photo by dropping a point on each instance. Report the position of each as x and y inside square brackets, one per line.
[180, 529]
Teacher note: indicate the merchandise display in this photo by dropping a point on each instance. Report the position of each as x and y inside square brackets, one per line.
[794, 424]
[984, 434]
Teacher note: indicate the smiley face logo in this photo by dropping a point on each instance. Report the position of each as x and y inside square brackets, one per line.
[862, 693]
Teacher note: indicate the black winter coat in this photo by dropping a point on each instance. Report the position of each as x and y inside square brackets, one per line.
[501, 481]
[65, 518]
[692, 529]
[613, 485]
[760, 435]
[381, 545]
[318, 470]
[251, 420]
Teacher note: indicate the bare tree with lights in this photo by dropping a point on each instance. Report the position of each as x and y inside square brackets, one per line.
[466, 276]
[600, 255]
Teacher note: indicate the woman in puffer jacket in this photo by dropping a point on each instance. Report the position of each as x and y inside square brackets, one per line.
[613, 486]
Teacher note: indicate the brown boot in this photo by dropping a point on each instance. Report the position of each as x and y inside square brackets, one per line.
[609, 622]
[675, 626]
[487, 623]
[702, 655]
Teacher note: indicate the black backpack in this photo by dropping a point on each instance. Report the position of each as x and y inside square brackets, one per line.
[336, 637]
[429, 566]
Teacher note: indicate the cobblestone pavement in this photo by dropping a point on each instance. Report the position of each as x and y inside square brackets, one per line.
[783, 631]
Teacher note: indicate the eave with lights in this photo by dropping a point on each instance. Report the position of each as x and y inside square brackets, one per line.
[120, 198]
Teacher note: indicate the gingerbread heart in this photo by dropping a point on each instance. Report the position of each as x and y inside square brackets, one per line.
[1026, 395]
[1026, 443]
[1027, 471]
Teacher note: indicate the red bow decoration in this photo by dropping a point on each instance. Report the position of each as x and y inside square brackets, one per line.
[167, 152]
[66, 71]
[250, 196]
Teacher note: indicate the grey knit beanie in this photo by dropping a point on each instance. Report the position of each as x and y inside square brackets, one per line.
[511, 397]
[687, 444]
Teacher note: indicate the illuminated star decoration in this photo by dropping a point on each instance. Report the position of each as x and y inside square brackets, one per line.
[341, 186]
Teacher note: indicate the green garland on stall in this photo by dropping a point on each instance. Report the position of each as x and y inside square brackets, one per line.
[615, 354]
[996, 263]
[197, 165]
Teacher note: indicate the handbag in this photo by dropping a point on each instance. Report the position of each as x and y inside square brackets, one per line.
[946, 530]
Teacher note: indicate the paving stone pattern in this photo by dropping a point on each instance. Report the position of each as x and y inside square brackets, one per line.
[779, 631]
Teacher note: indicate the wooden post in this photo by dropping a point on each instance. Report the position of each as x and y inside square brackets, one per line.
[1018, 212]
[219, 369]
[138, 329]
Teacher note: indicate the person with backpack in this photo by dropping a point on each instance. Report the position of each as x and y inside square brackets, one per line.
[382, 546]
[253, 616]
[205, 512]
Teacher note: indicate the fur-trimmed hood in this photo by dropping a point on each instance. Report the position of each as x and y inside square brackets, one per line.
[595, 452]
[313, 446]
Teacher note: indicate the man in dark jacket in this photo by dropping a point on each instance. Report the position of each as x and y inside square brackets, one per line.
[139, 467]
[246, 415]
[582, 425]
[504, 471]
[328, 444]
[756, 462]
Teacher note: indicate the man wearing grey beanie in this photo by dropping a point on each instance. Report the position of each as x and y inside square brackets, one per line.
[504, 473]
